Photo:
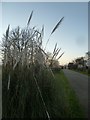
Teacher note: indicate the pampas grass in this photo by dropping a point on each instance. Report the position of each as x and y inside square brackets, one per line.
[27, 81]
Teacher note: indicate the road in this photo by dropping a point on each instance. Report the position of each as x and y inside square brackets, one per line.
[79, 83]
[0, 92]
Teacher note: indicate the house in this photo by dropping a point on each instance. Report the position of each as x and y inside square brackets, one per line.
[88, 63]
[70, 65]
[87, 59]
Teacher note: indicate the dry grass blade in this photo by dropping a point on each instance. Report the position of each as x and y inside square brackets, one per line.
[8, 81]
[55, 48]
[30, 18]
[54, 30]
[54, 55]
[60, 56]
[57, 25]
[42, 98]
[42, 30]
[7, 31]
[43, 51]
[47, 42]
[41, 35]
[57, 52]
[34, 27]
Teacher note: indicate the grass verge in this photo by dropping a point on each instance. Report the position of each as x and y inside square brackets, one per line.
[67, 100]
[82, 72]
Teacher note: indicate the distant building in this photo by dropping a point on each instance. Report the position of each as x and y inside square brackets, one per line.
[70, 65]
[80, 66]
[87, 59]
[88, 63]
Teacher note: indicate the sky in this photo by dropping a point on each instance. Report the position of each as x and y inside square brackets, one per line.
[72, 34]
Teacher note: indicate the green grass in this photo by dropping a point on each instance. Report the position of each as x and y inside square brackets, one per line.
[67, 100]
[82, 72]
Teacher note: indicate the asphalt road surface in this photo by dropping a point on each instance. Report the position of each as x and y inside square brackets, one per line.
[79, 83]
[0, 93]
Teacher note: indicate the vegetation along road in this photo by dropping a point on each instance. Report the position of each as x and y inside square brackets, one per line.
[79, 83]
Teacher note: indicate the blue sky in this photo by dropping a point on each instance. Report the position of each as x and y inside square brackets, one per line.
[71, 36]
